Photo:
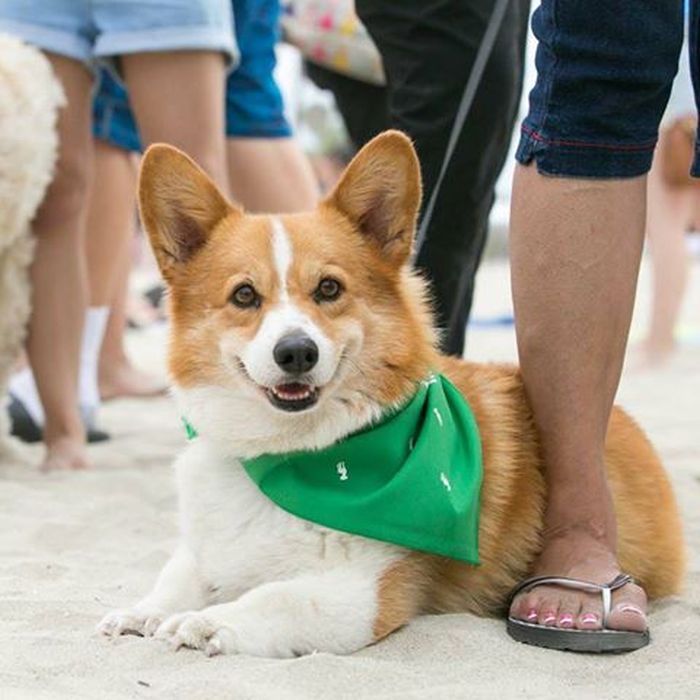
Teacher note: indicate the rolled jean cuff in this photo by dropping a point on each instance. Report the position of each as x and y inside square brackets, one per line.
[581, 159]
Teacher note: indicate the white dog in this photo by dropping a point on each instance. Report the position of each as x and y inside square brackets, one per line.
[30, 96]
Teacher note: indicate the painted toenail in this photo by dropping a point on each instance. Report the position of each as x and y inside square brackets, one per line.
[566, 620]
[589, 619]
[549, 619]
[630, 609]
[532, 615]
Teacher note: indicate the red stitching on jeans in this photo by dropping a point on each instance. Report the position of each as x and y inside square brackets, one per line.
[582, 144]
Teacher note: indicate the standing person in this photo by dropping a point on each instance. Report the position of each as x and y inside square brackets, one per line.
[267, 172]
[672, 199]
[160, 47]
[428, 48]
[578, 216]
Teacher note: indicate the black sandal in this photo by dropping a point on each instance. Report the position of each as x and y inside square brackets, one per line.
[24, 427]
[604, 641]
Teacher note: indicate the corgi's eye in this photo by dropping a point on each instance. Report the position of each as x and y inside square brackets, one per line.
[245, 297]
[328, 289]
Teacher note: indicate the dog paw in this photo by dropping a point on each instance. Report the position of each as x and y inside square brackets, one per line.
[141, 622]
[196, 630]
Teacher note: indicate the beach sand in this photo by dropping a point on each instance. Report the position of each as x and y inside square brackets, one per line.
[75, 545]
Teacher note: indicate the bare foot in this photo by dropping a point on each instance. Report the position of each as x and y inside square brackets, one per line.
[577, 554]
[123, 380]
[65, 453]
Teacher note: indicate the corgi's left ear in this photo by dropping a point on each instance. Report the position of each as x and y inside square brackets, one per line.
[180, 206]
[380, 192]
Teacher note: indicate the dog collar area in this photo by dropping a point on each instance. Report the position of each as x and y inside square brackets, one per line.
[413, 479]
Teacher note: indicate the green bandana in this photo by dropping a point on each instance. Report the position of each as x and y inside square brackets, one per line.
[412, 479]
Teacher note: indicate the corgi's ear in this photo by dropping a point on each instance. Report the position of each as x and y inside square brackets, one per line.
[380, 192]
[179, 205]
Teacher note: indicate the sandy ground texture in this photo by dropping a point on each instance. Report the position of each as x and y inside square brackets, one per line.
[73, 546]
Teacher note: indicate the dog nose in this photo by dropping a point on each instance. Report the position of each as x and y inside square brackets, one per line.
[296, 353]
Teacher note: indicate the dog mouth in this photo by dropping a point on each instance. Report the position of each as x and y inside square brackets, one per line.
[293, 396]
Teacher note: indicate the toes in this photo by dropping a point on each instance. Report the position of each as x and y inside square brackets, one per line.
[151, 625]
[628, 610]
[193, 633]
[549, 606]
[121, 622]
[569, 609]
[190, 630]
[169, 626]
[590, 616]
[108, 625]
[548, 613]
[526, 607]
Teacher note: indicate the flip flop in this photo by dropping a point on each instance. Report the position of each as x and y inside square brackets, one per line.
[591, 641]
[24, 427]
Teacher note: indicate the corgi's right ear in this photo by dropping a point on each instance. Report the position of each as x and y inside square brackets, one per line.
[180, 206]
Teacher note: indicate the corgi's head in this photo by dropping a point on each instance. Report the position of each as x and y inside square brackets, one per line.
[291, 331]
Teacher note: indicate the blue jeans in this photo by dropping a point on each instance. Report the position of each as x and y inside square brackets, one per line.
[604, 75]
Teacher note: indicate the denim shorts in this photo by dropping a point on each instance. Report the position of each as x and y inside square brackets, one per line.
[89, 30]
[254, 106]
[604, 75]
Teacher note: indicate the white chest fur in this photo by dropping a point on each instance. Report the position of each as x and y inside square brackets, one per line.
[241, 539]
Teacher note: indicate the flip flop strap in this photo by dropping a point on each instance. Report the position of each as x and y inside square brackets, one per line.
[605, 589]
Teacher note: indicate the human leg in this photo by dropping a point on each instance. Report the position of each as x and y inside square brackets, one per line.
[573, 288]
[575, 249]
[117, 375]
[428, 49]
[669, 213]
[58, 275]
[267, 169]
[270, 175]
[191, 119]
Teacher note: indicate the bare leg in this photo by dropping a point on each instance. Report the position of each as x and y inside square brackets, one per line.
[178, 97]
[58, 275]
[271, 175]
[669, 213]
[110, 220]
[118, 377]
[575, 246]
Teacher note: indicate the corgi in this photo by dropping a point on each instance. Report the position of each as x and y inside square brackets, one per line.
[290, 333]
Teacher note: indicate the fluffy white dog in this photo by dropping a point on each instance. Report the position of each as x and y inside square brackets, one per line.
[30, 96]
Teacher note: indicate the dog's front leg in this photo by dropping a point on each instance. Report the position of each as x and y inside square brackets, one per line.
[177, 588]
[338, 612]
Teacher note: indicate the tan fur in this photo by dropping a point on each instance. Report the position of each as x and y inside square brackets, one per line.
[362, 235]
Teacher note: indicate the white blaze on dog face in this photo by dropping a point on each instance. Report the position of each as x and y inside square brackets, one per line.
[290, 356]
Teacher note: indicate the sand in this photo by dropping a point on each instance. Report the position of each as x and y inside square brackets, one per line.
[73, 546]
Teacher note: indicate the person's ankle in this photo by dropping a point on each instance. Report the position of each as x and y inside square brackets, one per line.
[70, 429]
[586, 513]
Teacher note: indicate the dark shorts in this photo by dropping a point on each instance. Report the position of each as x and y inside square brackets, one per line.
[604, 75]
[254, 106]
